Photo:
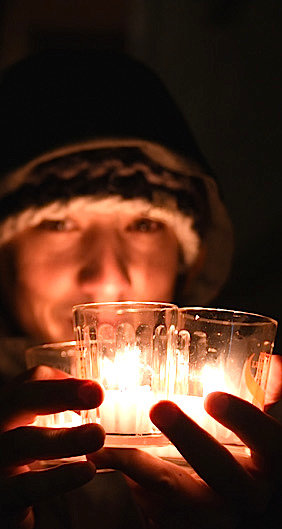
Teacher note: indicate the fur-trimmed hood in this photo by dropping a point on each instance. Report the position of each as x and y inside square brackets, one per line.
[58, 106]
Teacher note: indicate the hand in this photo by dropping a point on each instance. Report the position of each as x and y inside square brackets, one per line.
[223, 492]
[42, 390]
[273, 397]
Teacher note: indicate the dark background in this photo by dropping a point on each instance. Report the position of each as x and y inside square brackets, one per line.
[221, 59]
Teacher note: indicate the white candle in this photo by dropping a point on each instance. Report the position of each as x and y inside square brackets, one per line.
[127, 411]
[128, 394]
[211, 378]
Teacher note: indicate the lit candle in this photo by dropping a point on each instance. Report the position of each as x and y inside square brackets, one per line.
[128, 394]
[210, 378]
[127, 411]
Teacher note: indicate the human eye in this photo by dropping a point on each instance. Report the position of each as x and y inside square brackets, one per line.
[57, 225]
[145, 225]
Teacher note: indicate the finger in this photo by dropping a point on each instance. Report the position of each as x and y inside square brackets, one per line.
[212, 462]
[256, 429]
[26, 444]
[23, 490]
[50, 396]
[274, 384]
[163, 489]
[152, 473]
[138, 465]
[35, 373]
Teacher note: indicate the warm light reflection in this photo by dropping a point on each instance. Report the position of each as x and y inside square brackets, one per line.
[123, 371]
[213, 379]
[210, 378]
[65, 419]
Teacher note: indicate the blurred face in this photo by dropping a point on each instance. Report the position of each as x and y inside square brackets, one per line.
[87, 258]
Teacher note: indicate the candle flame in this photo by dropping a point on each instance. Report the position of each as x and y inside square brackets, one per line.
[125, 371]
[212, 379]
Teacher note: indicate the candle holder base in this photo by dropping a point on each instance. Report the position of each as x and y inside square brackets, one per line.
[135, 440]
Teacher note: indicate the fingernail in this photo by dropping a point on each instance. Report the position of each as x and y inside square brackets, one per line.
[164, 414]
[91, 394]
[216, 404]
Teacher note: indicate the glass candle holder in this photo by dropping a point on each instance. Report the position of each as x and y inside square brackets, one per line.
[221, 350]
[127, 347]
[65, 357]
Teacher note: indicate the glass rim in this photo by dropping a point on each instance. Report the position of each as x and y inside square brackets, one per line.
[51, 345]
[258, 319]
[147, 305]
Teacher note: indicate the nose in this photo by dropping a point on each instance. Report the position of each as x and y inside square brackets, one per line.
[104, 274]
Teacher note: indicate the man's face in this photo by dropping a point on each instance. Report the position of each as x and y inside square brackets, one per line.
[88, 258]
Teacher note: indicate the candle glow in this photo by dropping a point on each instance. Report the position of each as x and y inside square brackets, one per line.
[64, 419]
[210, 378]
[128, 394]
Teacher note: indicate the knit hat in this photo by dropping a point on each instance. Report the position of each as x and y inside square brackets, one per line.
[99, 128]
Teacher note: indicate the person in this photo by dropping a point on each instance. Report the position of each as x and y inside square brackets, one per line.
[105, 196]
